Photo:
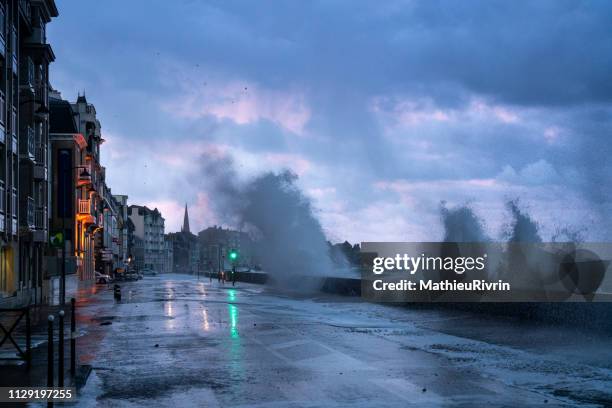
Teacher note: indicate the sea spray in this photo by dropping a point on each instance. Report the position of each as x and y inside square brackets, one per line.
[461, 224]
[288, 239]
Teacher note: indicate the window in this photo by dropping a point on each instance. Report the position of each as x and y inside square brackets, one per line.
[14, 40]
[2, 22]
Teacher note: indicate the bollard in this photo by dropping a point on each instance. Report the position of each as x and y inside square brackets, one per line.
[117, 292]
[60, 351]
[50, 356]
[73, 338]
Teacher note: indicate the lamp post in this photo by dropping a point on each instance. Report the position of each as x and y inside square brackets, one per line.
[86, 177]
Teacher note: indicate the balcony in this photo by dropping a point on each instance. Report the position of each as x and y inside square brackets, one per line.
[40, 166]
[40, 218]
[40, 92]
[85, 176]
[28, 217]
[27, 76]
[27, 150]
[40, 233]
[85, 207]
[40, 153]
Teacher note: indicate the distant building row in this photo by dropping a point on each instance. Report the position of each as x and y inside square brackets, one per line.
[207, 251]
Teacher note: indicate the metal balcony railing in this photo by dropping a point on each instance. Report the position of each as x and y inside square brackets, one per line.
[29, 216]
[40, 218]
[27, 75]
[40, 153]
[85, 207]
[27, 143]
[40, 92]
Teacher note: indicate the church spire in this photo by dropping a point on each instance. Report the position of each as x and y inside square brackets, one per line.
[185, 221]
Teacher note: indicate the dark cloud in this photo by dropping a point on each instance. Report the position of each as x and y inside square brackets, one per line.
[547, 62]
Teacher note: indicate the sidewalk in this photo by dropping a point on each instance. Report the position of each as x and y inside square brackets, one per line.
[15, 373]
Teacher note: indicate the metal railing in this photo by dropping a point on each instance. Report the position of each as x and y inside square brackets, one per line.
[29, 215]
[84, 206]
[9, 332]
[40, 153]
[40, 92]
[27, 77]
[27, 145]
[40, 218]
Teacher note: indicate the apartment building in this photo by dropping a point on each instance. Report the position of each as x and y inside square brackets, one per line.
[24, 82]
[123, 230]
[169, 254]
[149, 229]
[74, 215]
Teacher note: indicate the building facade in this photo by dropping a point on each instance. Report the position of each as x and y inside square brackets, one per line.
[74, 219]
[185, 250]
[122, 235]
[214, 244]
[150, 251]
[24, 82]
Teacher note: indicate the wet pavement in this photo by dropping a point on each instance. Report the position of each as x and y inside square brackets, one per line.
[177, 341]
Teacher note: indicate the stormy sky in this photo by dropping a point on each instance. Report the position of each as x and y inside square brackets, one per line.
[383, 109]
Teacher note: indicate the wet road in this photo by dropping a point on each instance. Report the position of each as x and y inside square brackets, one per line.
[175, 341]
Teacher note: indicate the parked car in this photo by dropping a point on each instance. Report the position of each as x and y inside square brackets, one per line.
[103, 278]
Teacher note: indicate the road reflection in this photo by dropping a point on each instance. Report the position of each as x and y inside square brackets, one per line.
[206, 325]
[169, 312]
[235, 351]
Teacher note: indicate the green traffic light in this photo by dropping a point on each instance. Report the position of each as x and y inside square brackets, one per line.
[233, 255]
